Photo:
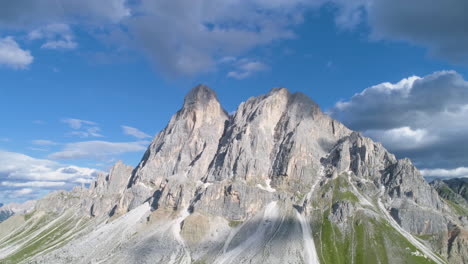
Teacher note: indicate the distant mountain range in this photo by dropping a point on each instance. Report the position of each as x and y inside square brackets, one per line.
[8, 210]
[278, 181]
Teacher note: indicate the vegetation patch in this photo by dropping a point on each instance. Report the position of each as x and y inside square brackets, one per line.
[235, 223]
[55, 235]
[456, 207]
[360, 239]
[28, 216]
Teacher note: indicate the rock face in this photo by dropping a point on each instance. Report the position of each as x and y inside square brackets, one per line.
[279, 181]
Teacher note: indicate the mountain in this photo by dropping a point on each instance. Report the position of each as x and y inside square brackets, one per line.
[454, 192]
[4, 214]
[278, 181]
[8, 210]
[459, 186]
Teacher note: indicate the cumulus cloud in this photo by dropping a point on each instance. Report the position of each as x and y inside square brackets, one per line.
[11, 54]
[23, 177]
[56, 36]
[131, 131]
[403, 138]
[98, 149]
[16, 166]
[245, 68]
[421, 118]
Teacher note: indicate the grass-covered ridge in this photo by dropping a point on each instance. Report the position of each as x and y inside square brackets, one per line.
[363, 237]
[40, 234]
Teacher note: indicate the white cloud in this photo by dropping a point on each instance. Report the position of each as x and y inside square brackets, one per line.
[83, 181]
[423, 118]
[23, 177]
[246, 68]
[127, 130]
[402, 138]
[98, 149]
[23, 192]
[44, 142]
[12, 55]
[16, 166]
[457, 172]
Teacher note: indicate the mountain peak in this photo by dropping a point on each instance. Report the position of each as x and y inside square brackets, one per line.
[200, 95]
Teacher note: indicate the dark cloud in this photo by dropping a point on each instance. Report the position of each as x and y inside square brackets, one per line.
[20, 14]
[409, 102]
[421, 118]
[187, 37]
[69, 170]
[441, 26]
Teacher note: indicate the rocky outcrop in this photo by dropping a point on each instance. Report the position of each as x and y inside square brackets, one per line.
[413, 203]
[105, 194]
[457, 245]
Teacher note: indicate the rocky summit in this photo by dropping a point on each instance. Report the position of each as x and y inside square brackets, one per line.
[278, 181]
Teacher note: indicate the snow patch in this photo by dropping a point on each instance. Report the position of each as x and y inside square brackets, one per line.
[270, 214]
[176, 229]
[268, 187]
[310, 253]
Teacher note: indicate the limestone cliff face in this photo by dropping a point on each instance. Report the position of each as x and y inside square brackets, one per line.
[180, 155]
[279, 181]
[273, 141]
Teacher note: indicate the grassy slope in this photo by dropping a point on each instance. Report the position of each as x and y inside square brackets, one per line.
[34, 237]
[365, 238]
[455, 200]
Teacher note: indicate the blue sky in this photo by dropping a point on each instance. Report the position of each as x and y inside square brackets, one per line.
[87, 83]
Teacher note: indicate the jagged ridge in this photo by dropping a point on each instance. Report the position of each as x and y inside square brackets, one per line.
[259, 186]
